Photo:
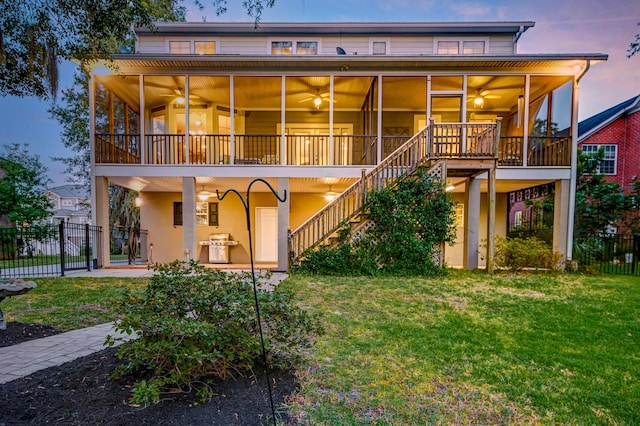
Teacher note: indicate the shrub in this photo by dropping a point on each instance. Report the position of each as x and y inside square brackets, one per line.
[195, 325]
[519, 253]
[410, 220]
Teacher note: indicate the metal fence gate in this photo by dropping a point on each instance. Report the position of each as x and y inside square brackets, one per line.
[49, 250]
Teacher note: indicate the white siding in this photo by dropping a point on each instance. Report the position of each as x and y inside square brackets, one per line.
[243, 46]
[351, 45]
[411, 46]
[501, 45]
[151, 44]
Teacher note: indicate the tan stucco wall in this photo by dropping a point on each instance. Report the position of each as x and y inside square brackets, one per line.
[156, 215]
[454, 254]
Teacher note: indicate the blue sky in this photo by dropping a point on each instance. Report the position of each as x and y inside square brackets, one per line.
[562, 26]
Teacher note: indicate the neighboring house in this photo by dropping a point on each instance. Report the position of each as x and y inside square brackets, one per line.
[617, 131]
[326, 111]
[70, 204]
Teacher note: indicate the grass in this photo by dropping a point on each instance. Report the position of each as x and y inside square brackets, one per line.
[70, 303]
[461, 349]
[472, 349]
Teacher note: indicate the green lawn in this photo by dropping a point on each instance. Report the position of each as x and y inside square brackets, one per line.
[472, 349]
[462, 349]
[70, 303]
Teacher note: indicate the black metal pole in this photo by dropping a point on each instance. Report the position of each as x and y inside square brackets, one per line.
[247, 209]
[61, 235]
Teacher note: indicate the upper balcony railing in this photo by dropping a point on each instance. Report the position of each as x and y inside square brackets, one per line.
[447, 140]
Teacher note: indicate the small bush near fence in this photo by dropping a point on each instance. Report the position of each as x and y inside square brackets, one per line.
[519, 253]
[196, 325]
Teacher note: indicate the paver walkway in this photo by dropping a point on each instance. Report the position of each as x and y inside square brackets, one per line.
[21, 360]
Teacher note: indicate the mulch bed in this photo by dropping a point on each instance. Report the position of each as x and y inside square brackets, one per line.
[81, 393]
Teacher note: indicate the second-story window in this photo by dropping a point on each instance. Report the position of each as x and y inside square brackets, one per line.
[186, 47]
[306, 48]
[448, 48]
[379, 48]
[472, 47]
[204, 47]
[286, 47]
[457, 47]
[281, 48]
[608, 164]
[180, 47]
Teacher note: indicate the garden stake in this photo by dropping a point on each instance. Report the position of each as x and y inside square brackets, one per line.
[246, 204]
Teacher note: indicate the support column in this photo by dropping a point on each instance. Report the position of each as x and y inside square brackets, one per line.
[561, 217]
[101, 218]
[283, 225]
[471, 224]
[491, 219]
[189, 219]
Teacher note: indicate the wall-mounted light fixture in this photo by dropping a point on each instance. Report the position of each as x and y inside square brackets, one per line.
[138, 201]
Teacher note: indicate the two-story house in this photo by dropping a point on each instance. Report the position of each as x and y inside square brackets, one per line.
[325, 112]
[616, 131]
[70, 204]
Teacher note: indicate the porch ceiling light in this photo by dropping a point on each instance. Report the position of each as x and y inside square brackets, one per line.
[204, 195]
[450, 187]
[330, 195]
[478, 101]
[317, 101]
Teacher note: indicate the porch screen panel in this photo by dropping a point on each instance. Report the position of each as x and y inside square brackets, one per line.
[307, 101]
[550, 118]
[165, 106]
[117, 119]
[354, 138]
[257, 119]
[404, 109]
[209, 119]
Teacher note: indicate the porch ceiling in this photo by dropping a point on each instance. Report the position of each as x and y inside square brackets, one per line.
[174, 184]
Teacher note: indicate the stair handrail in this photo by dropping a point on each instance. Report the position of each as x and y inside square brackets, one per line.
[404, 160]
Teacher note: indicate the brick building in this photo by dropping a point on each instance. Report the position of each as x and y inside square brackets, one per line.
[617, 130]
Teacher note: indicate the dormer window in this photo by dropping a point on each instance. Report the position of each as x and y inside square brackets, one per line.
[293, 47]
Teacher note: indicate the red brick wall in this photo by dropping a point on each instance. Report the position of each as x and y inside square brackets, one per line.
[624, 132]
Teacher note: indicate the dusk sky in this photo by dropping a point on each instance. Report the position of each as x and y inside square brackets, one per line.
[562, 26]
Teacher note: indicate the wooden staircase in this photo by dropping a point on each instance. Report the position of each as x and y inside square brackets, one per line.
[433, 147]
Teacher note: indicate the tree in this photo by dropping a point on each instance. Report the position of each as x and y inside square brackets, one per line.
[600, 204]
[35, 35]
[634, 46]
[23, 186]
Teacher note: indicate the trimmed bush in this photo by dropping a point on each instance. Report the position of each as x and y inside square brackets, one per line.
[196, 325]
[519, 253]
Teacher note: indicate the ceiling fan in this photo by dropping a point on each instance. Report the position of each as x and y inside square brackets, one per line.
[317, 98]
[179, 96]
[480, 96]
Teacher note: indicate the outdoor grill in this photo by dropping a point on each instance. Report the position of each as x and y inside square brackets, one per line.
[219, 247]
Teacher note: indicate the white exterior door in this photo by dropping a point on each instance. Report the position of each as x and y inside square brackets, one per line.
[266, 234]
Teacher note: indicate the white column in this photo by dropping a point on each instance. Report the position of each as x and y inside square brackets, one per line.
[101, 215]
[283, 225]
[189, 219]
[562, 215]
[471, 224]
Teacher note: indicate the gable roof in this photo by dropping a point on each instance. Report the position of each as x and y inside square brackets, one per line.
[596, 122]
[69, 191]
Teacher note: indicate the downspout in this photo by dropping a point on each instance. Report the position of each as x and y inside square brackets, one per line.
[574, 163]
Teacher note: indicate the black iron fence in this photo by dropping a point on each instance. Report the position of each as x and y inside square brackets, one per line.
[608, 253]
[49, 250]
